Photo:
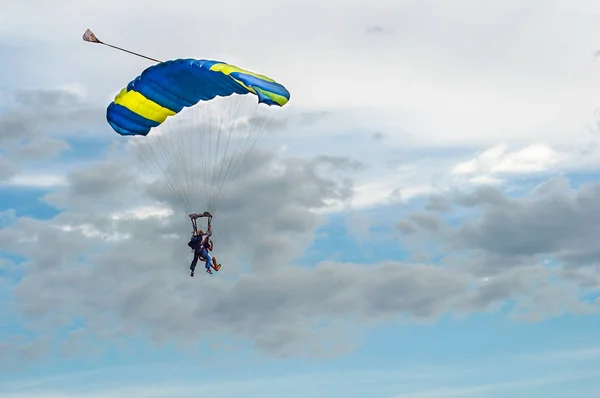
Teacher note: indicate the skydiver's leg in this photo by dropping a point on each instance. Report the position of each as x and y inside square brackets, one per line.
[194, 262]
[208, 261]
[214, 264]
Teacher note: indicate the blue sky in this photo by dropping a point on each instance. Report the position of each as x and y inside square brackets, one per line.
[431, 236]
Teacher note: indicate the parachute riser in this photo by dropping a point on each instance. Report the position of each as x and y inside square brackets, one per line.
[195, 216]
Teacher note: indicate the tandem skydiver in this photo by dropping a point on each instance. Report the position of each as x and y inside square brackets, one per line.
[201, 244]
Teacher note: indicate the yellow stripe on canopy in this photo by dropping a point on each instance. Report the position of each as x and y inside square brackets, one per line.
[142, 106]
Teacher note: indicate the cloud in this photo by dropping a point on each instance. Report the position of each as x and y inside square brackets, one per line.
[266, 221]
[426, 220]
[7, 170]
[36, 126]
[281, 307]
[499, 161]
[16, 352]
[538, 250]
[101, 185]
[110, 232]
[553, 220]
[438, 203]
[406, 227]
[37, 179]
[375, 29]
[43, 148]
[26, 115]
[378, 136]
[447, 94]
[446, 91]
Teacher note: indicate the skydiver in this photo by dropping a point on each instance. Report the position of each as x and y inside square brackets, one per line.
[204, 246]
[194, 244]
[208, 246]
[201, 244]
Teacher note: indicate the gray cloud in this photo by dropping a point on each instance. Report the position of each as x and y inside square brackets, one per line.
[554, 223]
[438, 203]
[426, 220]
[98, 187]
[405, 227]
[378, 136]
[553, 220]
[124, 275]
[508, 243]
[421, 222]
[7, 169]
[43, 148]
[43, 99]
[79, 260]
[375, 29]
[28, 114]
[485, 195]
[16, 352]
[311, 118]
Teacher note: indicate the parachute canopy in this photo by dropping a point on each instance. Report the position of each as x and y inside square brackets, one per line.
[163, 90]
[193, 123]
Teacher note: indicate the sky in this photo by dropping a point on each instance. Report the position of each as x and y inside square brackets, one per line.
[420, 221]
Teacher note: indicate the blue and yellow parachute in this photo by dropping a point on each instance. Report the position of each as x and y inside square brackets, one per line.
[163, 90]
[201, 158]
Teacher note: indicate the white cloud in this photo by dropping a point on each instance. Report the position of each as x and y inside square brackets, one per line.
[144, 212]
[499, 160]
[37, 180]
[450, 77]
[90, 231]
[485, 180]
